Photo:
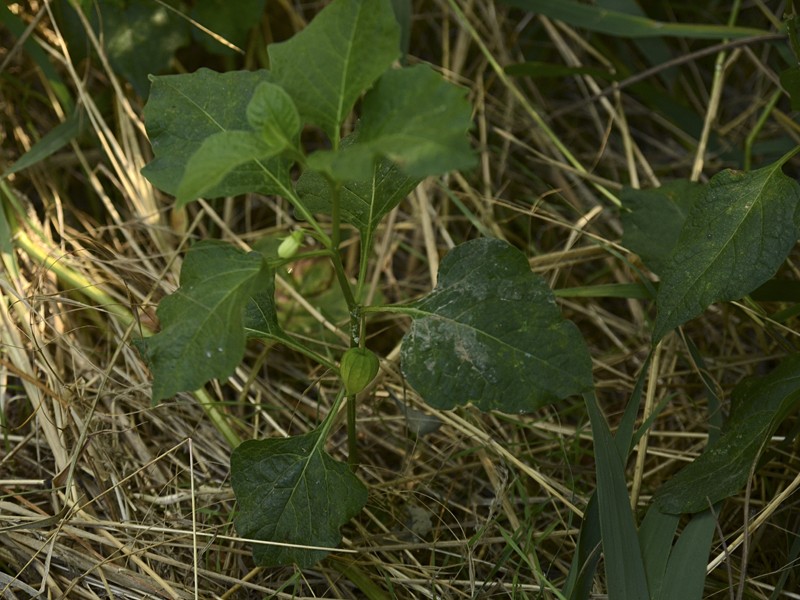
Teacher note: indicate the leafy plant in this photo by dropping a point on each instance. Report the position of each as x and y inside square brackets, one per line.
[226, 134]
[489, 334]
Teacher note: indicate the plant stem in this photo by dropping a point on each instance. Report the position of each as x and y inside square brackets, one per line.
[327, 423]
[305, 351]
[341, 276]
[336, 210]
[363, 262]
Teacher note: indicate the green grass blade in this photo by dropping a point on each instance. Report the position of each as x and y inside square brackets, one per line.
[623, 558]
[50, 143]
[655, 535]
[685, 576]
[587, 554]
[624, 25]
[624, 438]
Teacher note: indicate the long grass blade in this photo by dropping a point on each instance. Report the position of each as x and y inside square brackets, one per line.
[624, 25]
[623, 557]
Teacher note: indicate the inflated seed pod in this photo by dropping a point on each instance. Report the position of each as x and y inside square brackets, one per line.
[358, 368]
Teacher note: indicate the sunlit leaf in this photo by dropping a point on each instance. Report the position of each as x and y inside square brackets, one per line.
[330, 63]
[491, 334]
[184, 110]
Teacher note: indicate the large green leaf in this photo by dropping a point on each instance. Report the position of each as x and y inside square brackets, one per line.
[291, 491]
[602, 20]
[734, 239]
[759, 406]
[184, 110]
[202, 336]
[654, 218]
[491, 334]
[418, 120]
[328, 65]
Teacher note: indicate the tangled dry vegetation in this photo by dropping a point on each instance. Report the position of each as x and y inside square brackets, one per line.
[104, 496]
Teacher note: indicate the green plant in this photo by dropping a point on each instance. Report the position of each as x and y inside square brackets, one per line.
[489, 334]
[486, 335]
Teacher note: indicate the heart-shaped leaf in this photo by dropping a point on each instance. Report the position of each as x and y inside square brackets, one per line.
[419, 121]
[734, 239]
[491, 334]
[328, 65]
[184, 110]
[202, 336]
[291, 491]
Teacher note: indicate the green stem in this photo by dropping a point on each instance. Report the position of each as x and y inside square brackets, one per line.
[293, 199]
[341, 276]
[336, 213]
[305, 351]
[363, 262]
[327, 423]
[762, 119]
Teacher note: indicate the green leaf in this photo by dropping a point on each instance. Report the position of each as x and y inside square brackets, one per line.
[291, 491]
[184, 110]
[624, 25]
[418, 120]
[363, 202]
[202, 336]
[759, 406]
[655, 218]
[217, 157]
[328, 65]
[491, 334]
[734, 239]
[272, 114]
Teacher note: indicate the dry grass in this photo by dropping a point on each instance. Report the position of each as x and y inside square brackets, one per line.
[104, 496]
